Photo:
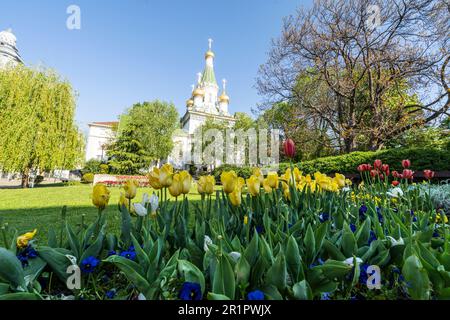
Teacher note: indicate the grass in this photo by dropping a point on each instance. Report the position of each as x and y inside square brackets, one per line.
[40, 208]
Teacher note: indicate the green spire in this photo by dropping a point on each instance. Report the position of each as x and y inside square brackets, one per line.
[209, 76]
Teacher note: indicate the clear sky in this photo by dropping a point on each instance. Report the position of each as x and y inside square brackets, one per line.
[129, 51]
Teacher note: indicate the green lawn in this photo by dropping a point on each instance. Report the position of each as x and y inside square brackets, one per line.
[26, 209]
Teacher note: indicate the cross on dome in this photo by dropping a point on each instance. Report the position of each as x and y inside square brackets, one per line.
[210, 41]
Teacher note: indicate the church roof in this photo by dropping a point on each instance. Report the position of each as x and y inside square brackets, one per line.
[209, 75]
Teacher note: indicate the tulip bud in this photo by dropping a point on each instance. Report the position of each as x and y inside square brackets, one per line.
[289, 148]
[428, 174]
[395, 183]
[377, 164]
[406, 163]
[385, 169]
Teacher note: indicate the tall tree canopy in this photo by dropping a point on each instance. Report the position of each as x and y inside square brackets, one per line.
[364, 80]
[154, 124]
[37, 123]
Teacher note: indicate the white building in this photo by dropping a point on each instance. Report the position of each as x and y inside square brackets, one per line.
[204, 102]
[9, 54]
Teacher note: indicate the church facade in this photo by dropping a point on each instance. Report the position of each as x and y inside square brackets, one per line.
[9, 54]
[207, 101]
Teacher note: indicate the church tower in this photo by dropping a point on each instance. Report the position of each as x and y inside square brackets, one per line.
[9, 55]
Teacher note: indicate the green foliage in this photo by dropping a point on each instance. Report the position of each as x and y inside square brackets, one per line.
[37, 110]
[88, 177]
[127, 154]
[244, 172]
[154, 123]
[421, 159]
[427, 137]
[91, 166]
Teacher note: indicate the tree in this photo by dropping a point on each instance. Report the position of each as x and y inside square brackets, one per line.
[154, 124]
[127, 154]
[37, 112]
[348, 69]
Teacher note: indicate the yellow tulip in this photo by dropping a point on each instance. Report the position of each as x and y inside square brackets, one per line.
[186, 181]
[253, 185]
[235, 197]
[229, 181]
[153, 179]
[266, 186]
[348, 182]
[438, 218]
[339, 179]
[287, 194]
[176, 187]
[130, 188]
[22, 241]
[100, 196]
[246, 220]
[122, 200]
[165, 175]
[298, 175]
[258, 173]
[206, 184]
[272, 180]
[240, 183]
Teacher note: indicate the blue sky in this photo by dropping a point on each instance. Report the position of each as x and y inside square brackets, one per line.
[137, 50]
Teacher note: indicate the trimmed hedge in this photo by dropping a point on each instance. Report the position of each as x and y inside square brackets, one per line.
[421, 159]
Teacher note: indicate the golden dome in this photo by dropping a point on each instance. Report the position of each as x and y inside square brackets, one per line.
[209, 53]
[224, 98]
[190, 102]
[198, 92]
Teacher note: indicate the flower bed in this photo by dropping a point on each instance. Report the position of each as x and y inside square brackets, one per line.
[291, 236]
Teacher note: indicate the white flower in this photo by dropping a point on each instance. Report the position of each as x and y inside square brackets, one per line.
[154, 202]
[206, 243]
[145, 199]
[140, 209]
[349, 261]
[395, 242]
[141, 297]
[395, 192]
[345, 189]
[235, 256]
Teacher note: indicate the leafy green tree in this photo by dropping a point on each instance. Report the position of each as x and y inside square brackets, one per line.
[127, 154]
[37, 111]
[154, 123]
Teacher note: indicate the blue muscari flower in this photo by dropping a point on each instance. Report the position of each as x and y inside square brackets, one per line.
[131, 255]
[89, 264]
[412, 214]
[436, 234]
[372, 237]
[353, 227]
[324, 217]
[110, 294]
[362, 212]
[191, 291]
[112, 253]
[363, 273]
[259, 229]
[325, 296]
[255, 295]
[380, 216]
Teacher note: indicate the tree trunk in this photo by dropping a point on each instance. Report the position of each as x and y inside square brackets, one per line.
[26, 179]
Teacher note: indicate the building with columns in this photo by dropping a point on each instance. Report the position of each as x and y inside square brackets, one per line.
[9, 54]
[206, 101]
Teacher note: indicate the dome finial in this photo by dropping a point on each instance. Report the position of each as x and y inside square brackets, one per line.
[224, 84]
[210, 41]
[199, 78]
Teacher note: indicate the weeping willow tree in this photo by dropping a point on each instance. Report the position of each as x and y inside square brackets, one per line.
[37, 129]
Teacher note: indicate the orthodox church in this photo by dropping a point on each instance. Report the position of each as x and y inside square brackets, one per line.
[9, 54]
[206, 101]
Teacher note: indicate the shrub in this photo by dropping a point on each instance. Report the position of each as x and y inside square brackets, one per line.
[421, 158]
[244, 172]
[92, 166]
[88, 178]
[38, 180]
[104, 168]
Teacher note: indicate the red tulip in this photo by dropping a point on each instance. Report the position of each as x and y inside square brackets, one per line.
[407, 174]
[385, 169]
[381, 177]
[289, 148]
[395, 183]
[377, 164]
[428, 174]
[395, 174]
[361, 168]
[368, 167]
[406, 163]
[373, 173]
